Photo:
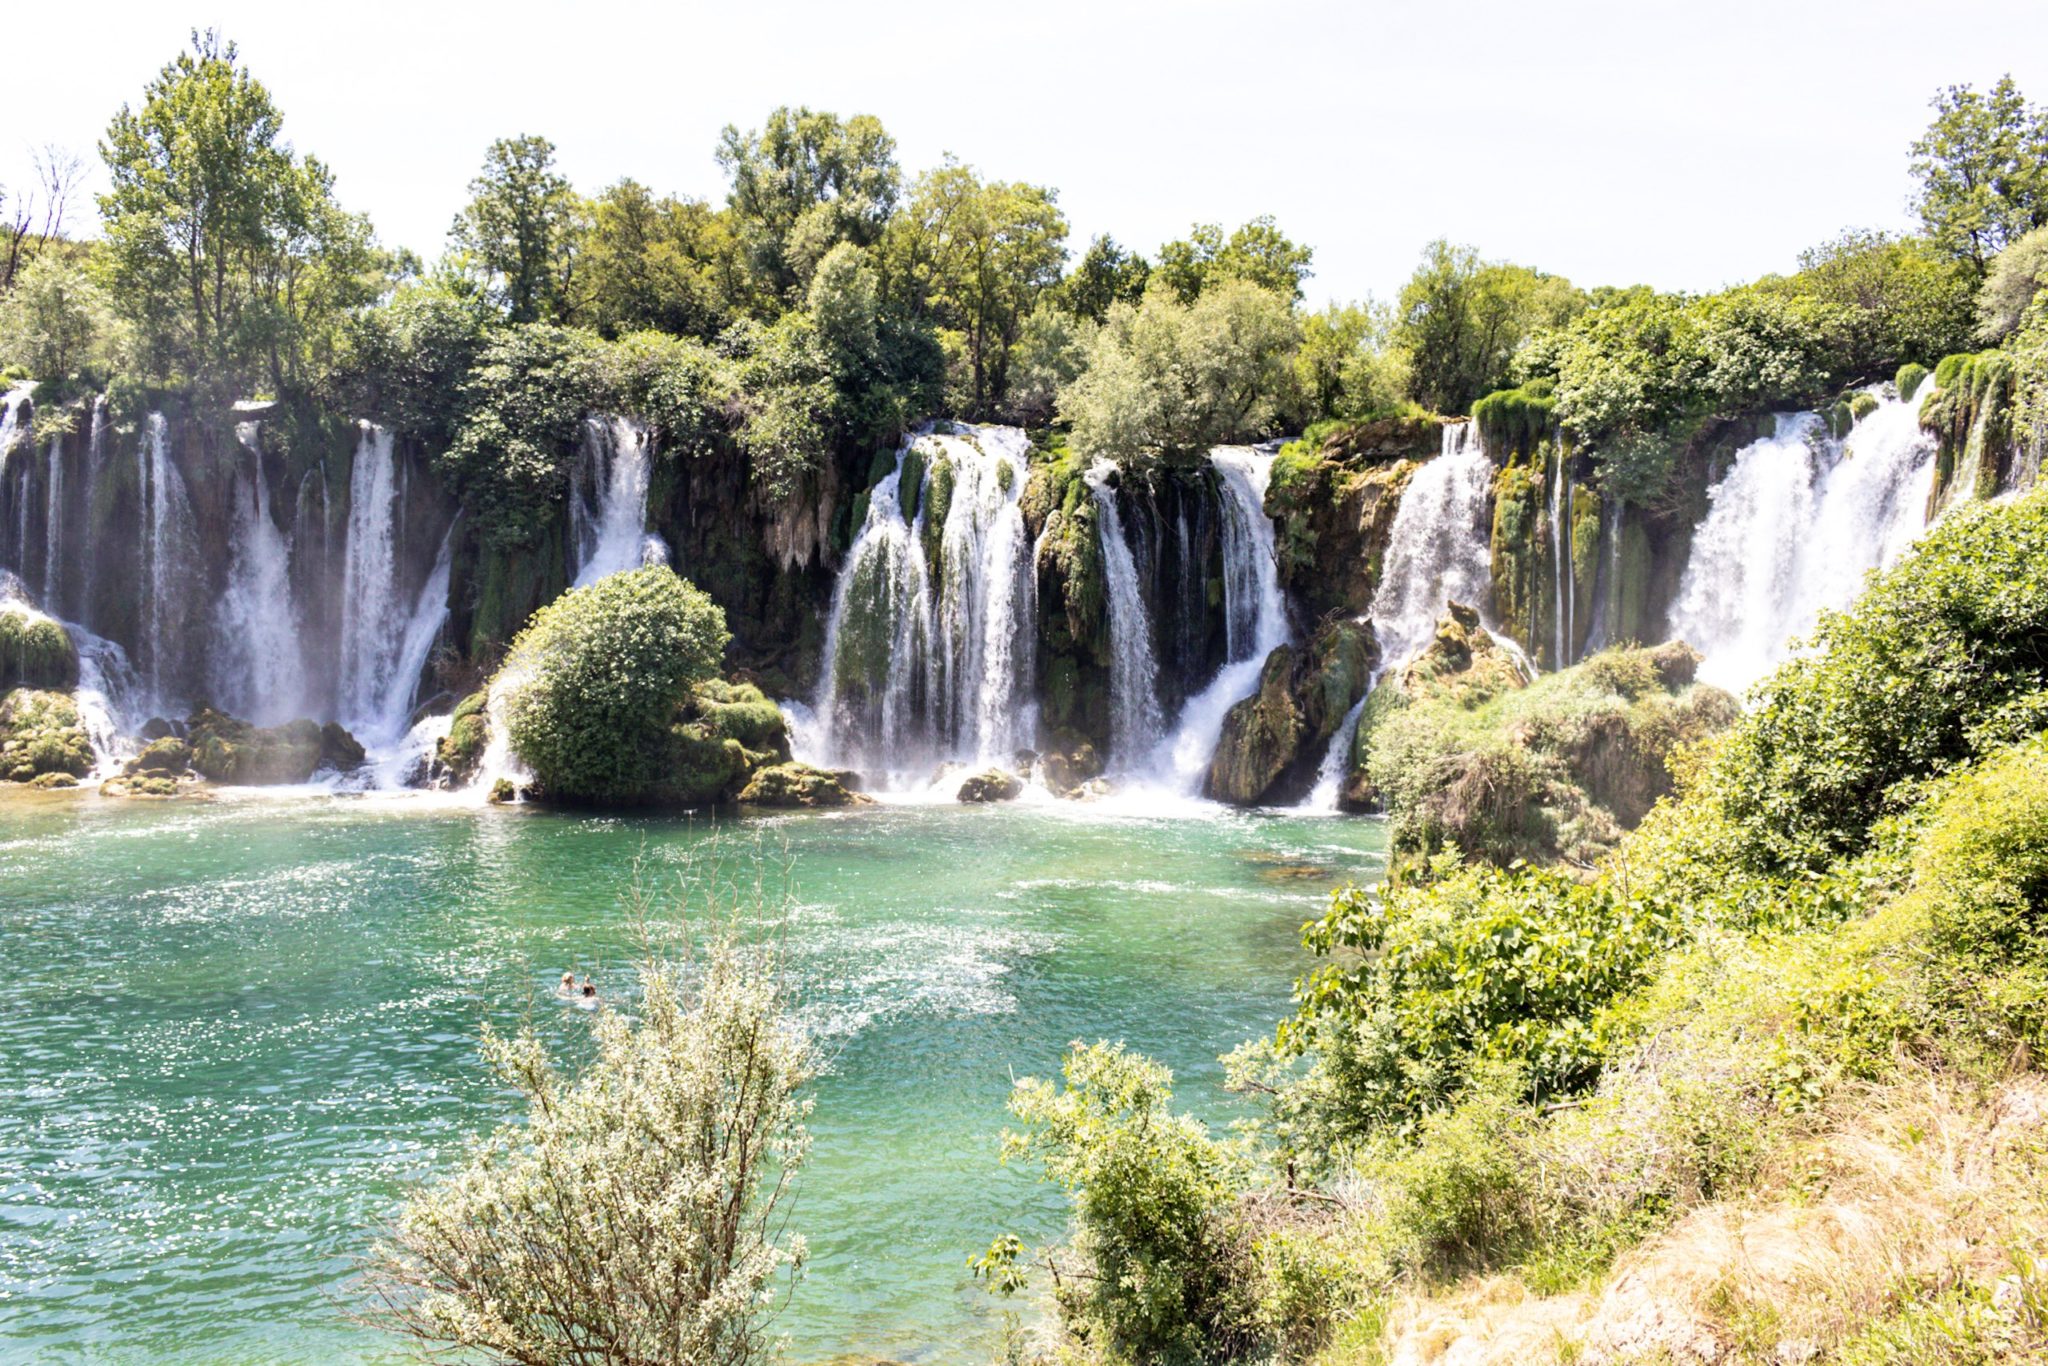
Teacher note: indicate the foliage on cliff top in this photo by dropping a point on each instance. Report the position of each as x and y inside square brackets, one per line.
[594, 681]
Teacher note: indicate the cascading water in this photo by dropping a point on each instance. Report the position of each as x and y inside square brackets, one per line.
[608, 500]
[1254, 614]
[1561, 558]
[1437, 554]
[258, 663]
[369, 580]
[928, 662]
[1794, 527]
[170, 555]
[1134, 714]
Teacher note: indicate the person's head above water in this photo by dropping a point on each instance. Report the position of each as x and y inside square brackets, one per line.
[588, 989]
[568, 979]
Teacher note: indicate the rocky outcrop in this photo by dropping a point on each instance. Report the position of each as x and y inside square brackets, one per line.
[991, 785]
[1333, 508]
[458, 753]
[1273, 740]
[1465, 751]
[1068, 765]
[42, 738]
[724, 734]
[800, 785]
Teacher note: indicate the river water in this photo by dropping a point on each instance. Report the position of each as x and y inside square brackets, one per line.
[240, 1028]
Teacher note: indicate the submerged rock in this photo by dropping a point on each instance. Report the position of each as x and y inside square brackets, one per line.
[41, 734]
[991, 785]
[795, 784]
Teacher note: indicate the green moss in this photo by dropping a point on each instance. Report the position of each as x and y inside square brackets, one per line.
[1519, 553]
[1516, 422]
[910, 487]
[1909, 379]
[41, 733]
[1862, 405]
[35, 652]
[938, 503]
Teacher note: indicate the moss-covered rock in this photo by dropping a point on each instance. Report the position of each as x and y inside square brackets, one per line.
[35, 652]
[1333, 509]
[226, 749]
[40, 734]
[461, 750]
[167, 756]
[795, 784]
[1970, 414]
[991, 785]
[1069, 764]
[1273, 741]
[723, 734]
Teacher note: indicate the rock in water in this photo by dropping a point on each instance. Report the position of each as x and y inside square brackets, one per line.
[41, 734]
[992, 785]
[226, 749]
[795, 784]
[1272, 739]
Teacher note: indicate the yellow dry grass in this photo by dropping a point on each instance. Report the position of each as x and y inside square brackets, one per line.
[1915, 1186]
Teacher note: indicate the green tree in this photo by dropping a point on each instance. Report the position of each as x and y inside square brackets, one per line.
[224, 248]
[519, 236]
[1106, 274]
[595, 680]
[1982, 165]
[1167, 380]
[975, 256]
[1347, 365]
[1905, 300]
[1258, 253]
[1461, 320]
[652, 263]
[55, 321]
[2016, 280]
[805, 182]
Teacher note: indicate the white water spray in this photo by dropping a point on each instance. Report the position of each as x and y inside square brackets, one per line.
[1795, 526]
[258, 666]
[608, 500]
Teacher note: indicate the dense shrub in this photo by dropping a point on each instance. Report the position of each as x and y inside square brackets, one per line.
[594, 682]
[1944, 657]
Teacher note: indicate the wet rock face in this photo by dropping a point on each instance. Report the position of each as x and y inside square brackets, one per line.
[225, 749]
[1273, 741]
[800, 785]
[991, 785]
[1333, 510]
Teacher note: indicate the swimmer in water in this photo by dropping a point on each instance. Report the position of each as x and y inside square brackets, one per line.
[568, 986]
[589, 990]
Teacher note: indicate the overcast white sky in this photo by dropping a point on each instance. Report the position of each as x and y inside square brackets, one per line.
[1685, 145]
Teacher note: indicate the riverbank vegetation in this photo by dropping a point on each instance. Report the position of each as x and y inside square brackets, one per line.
[1747, 1090]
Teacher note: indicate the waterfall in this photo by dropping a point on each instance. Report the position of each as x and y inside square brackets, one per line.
[608, 500]
[1134, 716]
[1254, 614]
[1436, 554]
[1794, 527]
[929, 657]
[369, 577]
[1607, 581]
[258, 664]
[95, 471]
[170, 555]
[388, 722]
[13, 436]
[54, 522]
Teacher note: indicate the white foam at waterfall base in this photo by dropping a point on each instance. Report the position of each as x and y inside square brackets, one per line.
[1254, 611]
[1793, 528]
[1437, 554]
[258, 666]
[919, 672]
[608, 500]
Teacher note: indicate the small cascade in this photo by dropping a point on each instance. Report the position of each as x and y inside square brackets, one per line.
[1134, 714]
[1436, 550]
[608, 500]
[1254, 614]
[55, 521]
[258, 664]
[1437, 554]
[108, 696]
[170, 559]
[1560, 559]
[1607, 581]
[1795, 527]
[95, 472]
[14, 436]
[928, 653]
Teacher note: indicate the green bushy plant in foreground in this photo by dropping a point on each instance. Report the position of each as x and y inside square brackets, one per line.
[596, 678]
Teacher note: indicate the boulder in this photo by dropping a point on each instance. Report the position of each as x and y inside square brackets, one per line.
[167, 757]
[991, 785]
[796, 784]
[1065, 768]
[458, 753]
[226, 749]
